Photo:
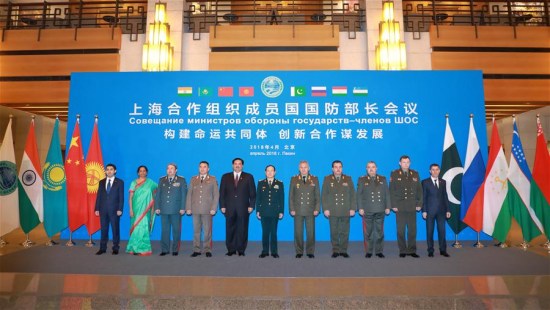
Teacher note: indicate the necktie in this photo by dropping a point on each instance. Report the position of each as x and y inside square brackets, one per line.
[304, 178]
[170, 180]
[338, 179]
[202, 179]
[436, 184]
[236, 179]
[270, 183]
[108, 186]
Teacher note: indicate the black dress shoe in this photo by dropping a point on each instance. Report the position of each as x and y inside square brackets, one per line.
[402, 255]
[195, 254]
[334, 255]
[368, 255]
[241, 254]
[380, 255]
[230, 253]
[345, 255]
[414, 255]
[275, 255]
[135, 253]
[311, 256]
[175, 253]
[100, 252]
[163, 253]
[115, 252]
[445, 254]
[299, 255]
[208, 254]
[263, 255]
[430, 254]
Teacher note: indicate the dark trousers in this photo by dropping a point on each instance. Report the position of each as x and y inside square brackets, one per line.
[105, 220]
[440, 219]
[170, 222]
[374, 231]
[236, 231]
[339, 233]
[309, 222]
[269, 234]
[406, 221]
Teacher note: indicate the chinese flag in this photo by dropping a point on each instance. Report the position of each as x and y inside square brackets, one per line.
[75, 171]
[246, 91]
[225, 91]
[95, 171]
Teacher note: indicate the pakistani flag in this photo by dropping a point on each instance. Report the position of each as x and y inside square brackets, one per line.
[451, 170]
[9, 210]
[519, 191]
[55, 192]
[31, 203]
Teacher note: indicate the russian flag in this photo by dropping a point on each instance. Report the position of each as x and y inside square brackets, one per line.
[318, 91]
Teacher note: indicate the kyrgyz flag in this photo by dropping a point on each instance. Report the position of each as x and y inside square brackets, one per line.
[9, 205]
[540, 183]
[451, 171]
[519, 179]
[94, 173]
[471, 211]
[55, 193]
[31, 198]
[496, 211]
[75, 168]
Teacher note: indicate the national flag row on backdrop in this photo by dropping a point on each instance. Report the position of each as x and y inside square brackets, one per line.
[486, 198]
[295, 91]
[58, 194]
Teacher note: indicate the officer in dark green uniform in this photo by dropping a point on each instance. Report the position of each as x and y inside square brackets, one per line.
[304, 204]
[406, 199]
[373, 203]
[270, 203]
[339, 205]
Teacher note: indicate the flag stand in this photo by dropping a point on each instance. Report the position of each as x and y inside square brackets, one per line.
[457, 243]
[502, 245]
[51, 243]
[3, 242]
[478, 244]
[544, 245]
[90, 243]
[70, 242]
[28, 242]
[524, 245]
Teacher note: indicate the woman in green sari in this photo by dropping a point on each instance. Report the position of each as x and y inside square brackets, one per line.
[141, 201]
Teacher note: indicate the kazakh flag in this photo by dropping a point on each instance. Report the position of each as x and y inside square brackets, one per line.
[55, 191]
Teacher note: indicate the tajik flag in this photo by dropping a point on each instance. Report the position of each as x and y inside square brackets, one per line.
[31, 198]
[451, 170]
[540, 183]
[519, 190]
[55, 192]
[471, 211]
[77, 194]
[9, 210]
[94, 173]
[496, 211]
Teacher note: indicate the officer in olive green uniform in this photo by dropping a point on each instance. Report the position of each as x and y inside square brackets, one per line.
[406, 199]
[270, 203]
[338, 197]
[373, 203]
[304, 204]
[170, 205]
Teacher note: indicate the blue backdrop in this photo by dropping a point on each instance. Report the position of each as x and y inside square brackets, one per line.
[279, 118]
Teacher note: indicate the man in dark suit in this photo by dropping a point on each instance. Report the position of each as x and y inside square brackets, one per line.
[435, 207]
[237, 200]
[108, 206]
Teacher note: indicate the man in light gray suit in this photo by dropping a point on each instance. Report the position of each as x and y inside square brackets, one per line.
[202, 203]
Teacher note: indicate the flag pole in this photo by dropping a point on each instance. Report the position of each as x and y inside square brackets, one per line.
[478, 244]
[457, 244]
[90, 243]
[70, 242]
[28, 242]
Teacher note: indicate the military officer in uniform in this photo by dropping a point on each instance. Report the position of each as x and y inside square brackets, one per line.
[406, 200]
[170, 205]
[304, 204]
[338, 197]
[373, 203]
[202, 203]
[270, 204]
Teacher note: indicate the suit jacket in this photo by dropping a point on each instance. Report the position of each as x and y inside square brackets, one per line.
[237, 199]
[203, 197]
[171, 197]
[113, 201]
[338, 197]
[405, 190]
[435, 199]
[271, 199]
[304, 198]
[373, 194]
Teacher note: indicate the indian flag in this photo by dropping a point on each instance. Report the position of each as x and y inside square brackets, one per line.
[185, 91]
[339, 90]
[360, 91]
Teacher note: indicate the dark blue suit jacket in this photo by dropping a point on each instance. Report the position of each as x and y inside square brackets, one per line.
[435, 199]
[237, 199]
[112, 202]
